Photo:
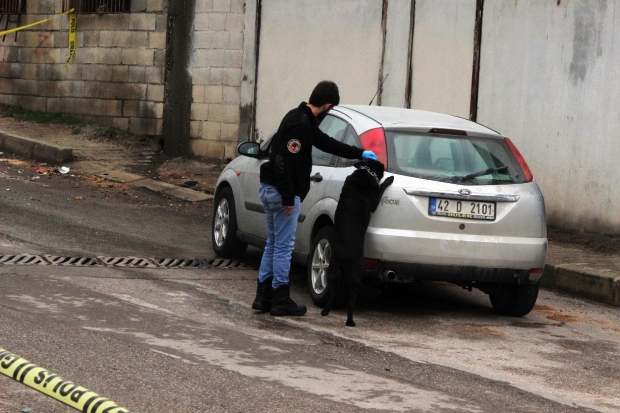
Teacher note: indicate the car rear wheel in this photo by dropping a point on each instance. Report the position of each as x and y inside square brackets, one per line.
[515, 300]
[224, 228]
[318, 264]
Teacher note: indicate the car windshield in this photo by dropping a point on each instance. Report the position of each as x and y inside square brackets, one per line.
[455, 159]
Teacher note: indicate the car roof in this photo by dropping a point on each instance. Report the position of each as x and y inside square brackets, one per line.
[391, 118]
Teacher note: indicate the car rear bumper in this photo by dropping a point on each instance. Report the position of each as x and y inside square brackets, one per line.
[392, 271]
[409, 248]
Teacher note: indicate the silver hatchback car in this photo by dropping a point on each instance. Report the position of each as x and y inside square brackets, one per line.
[463, 208]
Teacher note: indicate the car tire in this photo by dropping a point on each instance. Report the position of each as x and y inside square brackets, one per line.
[318, 263]
[224, 226]
[515, 300]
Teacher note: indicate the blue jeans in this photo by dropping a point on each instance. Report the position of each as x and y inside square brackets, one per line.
[281, 228]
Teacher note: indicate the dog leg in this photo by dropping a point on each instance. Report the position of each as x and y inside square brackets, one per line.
[375, 202]
[350, 322]
[332, 276]
[328, 307]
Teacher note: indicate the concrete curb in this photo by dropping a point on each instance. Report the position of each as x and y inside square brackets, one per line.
[598, 285]
[33, 149]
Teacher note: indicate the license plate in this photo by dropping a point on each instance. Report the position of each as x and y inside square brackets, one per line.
[453, 208]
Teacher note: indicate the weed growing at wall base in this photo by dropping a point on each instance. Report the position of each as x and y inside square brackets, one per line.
[78, 124]
[22, 114]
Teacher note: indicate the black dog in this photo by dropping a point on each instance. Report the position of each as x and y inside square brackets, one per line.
[360, 196]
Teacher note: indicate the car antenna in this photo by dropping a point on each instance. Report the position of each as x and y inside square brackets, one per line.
[373, 98]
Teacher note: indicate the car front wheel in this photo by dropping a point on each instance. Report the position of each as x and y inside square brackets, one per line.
[224, 228]
[515, 300]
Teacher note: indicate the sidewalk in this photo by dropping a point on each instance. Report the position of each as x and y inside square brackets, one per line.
[569, 268]
[105, 160]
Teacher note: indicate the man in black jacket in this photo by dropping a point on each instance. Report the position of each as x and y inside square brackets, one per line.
[285, 182]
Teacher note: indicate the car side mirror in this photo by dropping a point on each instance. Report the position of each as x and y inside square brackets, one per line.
[251, 149]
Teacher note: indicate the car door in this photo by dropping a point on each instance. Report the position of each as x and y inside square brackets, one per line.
[344, 167]
[323, 165]
[251, 215]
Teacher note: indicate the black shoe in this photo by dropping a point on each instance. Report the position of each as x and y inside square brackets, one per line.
[264, 295]
[283, 305]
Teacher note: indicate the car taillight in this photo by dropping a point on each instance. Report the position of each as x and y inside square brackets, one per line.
[374, 140]
[370, 264]
[526, 169]
[535, 274]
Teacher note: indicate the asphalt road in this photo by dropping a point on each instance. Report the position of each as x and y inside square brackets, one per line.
[184, 340]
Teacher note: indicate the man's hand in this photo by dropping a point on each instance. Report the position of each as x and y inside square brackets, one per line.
[369, 155]
[288, 210]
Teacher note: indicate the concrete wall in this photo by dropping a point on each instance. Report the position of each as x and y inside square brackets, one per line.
[115, 78]
[215, 68]
[443, 44]
[548, 80]
[305, 41]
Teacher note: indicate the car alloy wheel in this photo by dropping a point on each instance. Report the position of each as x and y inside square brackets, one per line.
[224, 234]
[220, 222]
[320, 263]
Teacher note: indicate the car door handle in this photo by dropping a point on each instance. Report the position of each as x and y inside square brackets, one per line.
[317, 177]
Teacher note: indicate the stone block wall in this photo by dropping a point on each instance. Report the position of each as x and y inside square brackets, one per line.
[215, 67]
[116, 77]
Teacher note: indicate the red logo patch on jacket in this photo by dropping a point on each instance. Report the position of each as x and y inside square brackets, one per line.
[294, 145]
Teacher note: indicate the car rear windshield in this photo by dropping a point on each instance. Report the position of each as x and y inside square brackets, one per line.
[448, 158]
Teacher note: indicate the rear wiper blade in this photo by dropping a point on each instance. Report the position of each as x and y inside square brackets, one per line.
[479, 173]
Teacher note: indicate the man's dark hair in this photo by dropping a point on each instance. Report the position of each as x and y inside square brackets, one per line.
[325, 92]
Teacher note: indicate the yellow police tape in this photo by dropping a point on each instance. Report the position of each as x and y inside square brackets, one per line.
[72, 40]
[33, 24]
[55, 386]
[72, 31]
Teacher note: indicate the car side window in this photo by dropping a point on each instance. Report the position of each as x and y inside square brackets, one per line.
[335, 128]
[350, 138]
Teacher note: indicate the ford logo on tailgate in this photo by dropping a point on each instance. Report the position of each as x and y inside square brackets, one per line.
[464, 192]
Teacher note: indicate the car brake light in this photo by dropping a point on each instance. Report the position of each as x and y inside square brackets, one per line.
[374, 140]
[526, 169]
[535, 274]
[370, 264]
[441, 131]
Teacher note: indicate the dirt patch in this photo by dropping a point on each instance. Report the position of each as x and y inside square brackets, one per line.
[188, 173]
[469, 331]
[153, 164]
[553, 314]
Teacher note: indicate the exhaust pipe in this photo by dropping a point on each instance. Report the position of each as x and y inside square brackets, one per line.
[390, 275]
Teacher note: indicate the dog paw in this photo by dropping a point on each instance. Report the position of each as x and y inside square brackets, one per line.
[324, 313]
[388, 181]
[350, 323]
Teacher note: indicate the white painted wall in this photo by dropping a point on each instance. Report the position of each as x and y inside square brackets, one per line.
[396, 53]
[305, 41]
[549, 80]
[443, 50]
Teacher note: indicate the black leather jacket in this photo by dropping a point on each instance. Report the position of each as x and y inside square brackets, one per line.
[290, 161]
